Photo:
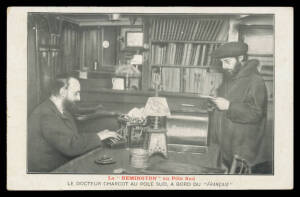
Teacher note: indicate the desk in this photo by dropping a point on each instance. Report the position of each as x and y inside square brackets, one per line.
[85, 164]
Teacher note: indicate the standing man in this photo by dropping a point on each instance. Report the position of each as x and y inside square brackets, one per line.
[238, 121]
[53, 138]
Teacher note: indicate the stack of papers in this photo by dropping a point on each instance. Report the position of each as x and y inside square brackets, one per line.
[137, 113]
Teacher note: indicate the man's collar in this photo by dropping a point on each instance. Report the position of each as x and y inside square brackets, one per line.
[249, 67]
[57, 103]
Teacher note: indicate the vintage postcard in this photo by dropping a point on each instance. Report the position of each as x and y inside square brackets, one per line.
[156, 98]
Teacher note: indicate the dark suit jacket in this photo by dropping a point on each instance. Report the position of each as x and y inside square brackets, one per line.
[53, 138]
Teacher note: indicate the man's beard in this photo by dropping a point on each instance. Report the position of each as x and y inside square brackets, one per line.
[229, 74]
[69, 105]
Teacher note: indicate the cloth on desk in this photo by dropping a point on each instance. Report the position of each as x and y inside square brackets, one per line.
[53, 138]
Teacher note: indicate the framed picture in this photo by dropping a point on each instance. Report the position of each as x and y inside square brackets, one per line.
[134, 39]
[123, 32]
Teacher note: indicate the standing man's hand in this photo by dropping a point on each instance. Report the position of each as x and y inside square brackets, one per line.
[211, 106]
[221, 103]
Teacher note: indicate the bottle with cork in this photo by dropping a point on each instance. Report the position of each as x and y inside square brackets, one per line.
[95, 65]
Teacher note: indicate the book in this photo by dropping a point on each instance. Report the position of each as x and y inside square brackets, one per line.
[165, 55]
[212, 29]
[158, 49]
[209, 52]
[216, 30]
[198, 30]
[194, 46]
[199, 55]
[173, 53]
[168, 53]
[159, 29]
[179, 26]
[185, 49]
[176, 54]
[191, 31]
[203, 77]
[208, 30]
[180, 56]
[187, 30]
[183, 30]
[155, 29]
[164, 30]
[196, 55]
[195, 30]
[152, 55]
[203, 55]
[169, 34]
[174, 29]
[180, 47]
[222, 33]
[162, 55]
[188, 54]
[201, 32]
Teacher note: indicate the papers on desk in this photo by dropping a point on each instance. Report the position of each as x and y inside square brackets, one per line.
[137, 113]
[83, 75]
[207, 96]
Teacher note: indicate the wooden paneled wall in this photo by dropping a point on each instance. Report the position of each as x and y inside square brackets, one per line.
[70, 45]
[52, 50]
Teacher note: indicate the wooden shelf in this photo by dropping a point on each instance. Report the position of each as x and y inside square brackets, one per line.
[44, 49]
[193, 42]
[244, 26]
[180, 66]
[261, 55]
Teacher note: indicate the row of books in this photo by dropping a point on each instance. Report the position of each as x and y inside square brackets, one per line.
[188, 29]
[183, 54]
[197, 81]
[201, 82]
[170, 79]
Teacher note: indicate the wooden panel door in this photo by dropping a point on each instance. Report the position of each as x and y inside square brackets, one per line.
[90, 50]
[110, 53]
[92, 46]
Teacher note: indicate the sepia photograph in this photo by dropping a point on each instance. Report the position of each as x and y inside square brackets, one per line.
[150, 96]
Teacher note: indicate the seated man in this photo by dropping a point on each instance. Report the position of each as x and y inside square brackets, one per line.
[53, 138]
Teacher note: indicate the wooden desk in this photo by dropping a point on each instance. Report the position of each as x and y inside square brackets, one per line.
[85, 164]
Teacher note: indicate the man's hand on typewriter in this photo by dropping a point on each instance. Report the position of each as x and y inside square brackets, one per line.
[115, 113]
[107, 134]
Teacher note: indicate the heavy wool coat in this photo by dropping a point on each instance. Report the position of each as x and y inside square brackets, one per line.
[241, 129]
[53, 138]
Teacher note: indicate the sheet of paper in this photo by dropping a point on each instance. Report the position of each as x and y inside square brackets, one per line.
[83, 74]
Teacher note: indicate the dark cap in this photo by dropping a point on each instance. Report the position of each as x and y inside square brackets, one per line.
[230, 49]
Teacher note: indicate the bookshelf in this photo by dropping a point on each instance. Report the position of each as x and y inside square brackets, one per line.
[180, 52]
